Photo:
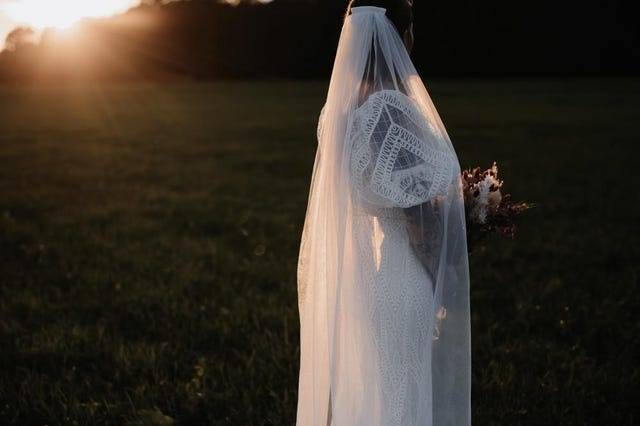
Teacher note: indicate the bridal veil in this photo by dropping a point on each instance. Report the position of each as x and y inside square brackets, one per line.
[383, 154]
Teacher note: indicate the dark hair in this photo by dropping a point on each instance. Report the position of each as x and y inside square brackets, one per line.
[399, 12]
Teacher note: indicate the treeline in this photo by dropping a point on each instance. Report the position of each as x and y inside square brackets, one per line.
[206, 39]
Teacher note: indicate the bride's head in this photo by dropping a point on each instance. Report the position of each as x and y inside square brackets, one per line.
[399, 13]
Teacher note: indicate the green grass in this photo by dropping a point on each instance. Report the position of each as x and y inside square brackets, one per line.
[149, 236]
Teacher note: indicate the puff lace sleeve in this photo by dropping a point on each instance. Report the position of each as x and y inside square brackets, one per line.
[396, 159]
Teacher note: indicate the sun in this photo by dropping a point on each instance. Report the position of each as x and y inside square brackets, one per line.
[62, 14]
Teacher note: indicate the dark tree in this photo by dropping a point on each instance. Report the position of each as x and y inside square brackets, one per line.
[19, 37]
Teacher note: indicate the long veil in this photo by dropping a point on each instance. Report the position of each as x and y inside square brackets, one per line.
[383, 152]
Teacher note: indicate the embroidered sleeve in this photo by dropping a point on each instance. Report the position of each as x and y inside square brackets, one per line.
[397, 159]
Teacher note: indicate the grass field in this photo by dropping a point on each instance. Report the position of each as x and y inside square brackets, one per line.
[149, 236]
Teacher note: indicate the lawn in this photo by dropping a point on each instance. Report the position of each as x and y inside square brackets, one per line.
[149, 234]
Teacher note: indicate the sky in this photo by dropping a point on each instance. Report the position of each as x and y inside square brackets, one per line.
[40, 14]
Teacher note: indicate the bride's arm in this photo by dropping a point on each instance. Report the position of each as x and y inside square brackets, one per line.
[415, 231]
[424, 235]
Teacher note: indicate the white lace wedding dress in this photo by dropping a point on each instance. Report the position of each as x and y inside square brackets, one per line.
[387, 168]
[400, 306]
[383, 277]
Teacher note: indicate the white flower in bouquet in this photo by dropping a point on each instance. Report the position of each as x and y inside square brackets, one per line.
[486, 196]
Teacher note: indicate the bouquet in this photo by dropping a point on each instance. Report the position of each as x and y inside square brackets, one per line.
[487, 209]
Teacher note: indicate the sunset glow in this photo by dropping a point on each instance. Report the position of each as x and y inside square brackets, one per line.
[61, 14]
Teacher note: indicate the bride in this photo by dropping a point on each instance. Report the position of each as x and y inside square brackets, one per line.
[383, 282]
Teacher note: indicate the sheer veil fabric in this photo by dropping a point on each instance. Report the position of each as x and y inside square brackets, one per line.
[383, 280]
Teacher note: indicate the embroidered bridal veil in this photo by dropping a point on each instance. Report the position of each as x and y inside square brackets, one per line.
[383, 281]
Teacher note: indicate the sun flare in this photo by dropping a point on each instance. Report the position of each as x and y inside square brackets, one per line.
[61, 14]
